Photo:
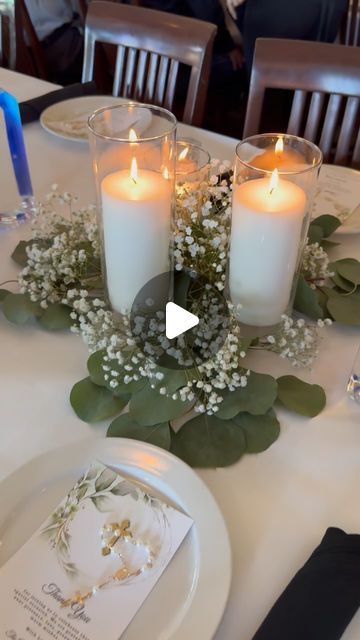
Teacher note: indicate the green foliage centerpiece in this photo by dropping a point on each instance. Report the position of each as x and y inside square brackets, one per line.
[224, 409]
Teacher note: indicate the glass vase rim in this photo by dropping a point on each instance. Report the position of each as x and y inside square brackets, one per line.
[128, 104]
[201, 148]
[312, 145]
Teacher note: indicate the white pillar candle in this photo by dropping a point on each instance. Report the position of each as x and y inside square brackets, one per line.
[267, 220]
[136, 208]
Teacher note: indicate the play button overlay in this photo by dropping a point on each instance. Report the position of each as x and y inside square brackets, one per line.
[178, 320]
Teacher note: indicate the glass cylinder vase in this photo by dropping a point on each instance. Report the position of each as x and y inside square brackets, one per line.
[192, 165]
[133, 151]
[274, 182]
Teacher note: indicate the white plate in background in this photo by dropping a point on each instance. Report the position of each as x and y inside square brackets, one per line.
[189, 599]
[68, 118]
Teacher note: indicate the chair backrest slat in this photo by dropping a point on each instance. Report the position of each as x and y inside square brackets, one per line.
[131, 60]
[356, 154]
[153, 44]
[325, 79]
[171, 84]
[140, 75]
[348, 127]
[119, 70]
[350, 33]
[330, 125]
[162, 79]
[297, 112]
[314, 116]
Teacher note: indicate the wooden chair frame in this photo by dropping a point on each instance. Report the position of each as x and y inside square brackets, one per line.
[150, 46]
[319, 69]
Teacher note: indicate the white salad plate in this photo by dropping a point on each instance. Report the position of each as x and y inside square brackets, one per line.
[68, 118]
[338, 194]
[190, 597]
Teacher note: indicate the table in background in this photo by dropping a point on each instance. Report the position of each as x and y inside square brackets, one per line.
[277, 504]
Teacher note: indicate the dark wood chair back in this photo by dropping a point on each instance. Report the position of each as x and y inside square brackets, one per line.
[7, 34]
[150, 47]
[30, 56]
[350, 34]
[325, 79]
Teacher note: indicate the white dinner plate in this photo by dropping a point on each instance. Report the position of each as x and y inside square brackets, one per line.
[189, 599]
[68, 118]
[338, 194]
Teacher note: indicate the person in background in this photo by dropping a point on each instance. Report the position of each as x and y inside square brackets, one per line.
[210, 11]
[317, 20]
[59, 30]
[227, 75]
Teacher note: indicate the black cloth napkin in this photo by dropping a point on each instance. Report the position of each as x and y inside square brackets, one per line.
[323, 596]
[31, 110]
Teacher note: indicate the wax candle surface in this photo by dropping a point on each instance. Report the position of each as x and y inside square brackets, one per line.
[288, 159]
[265, 235]
[136, 227]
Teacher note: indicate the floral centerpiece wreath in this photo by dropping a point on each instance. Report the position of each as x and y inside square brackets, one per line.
[224, 408]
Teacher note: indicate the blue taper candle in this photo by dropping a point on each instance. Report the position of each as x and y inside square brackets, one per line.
[10, 107]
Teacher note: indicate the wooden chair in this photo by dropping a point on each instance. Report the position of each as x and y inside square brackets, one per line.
[30, 56]
[350, 34]
[7, 33]
[325, 79]
[150, 47]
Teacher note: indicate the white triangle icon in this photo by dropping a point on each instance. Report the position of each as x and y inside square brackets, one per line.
[178, 320]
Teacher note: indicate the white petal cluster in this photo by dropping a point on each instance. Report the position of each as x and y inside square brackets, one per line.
[315, 265]
[202, 225]
[296, 340]
[64, 266]
[65, 250]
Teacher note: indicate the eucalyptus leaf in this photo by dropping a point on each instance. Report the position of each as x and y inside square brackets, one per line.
[130, 387]
[331, 292]
[257, 397]
[19, 254]
[92, 403]
[125, 427]
[56, 317]
[174, 379]
[82, 491]
[306, 300]
[329, 244]
[3, 294]
[125, 488]
[301, 397]
[328, 224]
[102, 503]
[341, 282]
[95, 369]
[18, 308]
[345, 309]
[260, 431]
[349, 269]
[207, 441]
[148, 407]
[315, 233]
[105, 480]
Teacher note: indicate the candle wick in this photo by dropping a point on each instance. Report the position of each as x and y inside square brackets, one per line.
[133, 179]
[271, 190]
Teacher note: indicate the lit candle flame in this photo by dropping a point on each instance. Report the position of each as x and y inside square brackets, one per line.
[134, 171]
[132, 136]
[183, 154]
[274, 181]
[279, 147]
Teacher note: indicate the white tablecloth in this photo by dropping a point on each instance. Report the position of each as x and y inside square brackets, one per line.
[277, 504]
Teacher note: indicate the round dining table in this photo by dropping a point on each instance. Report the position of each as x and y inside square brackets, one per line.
[277, 504]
